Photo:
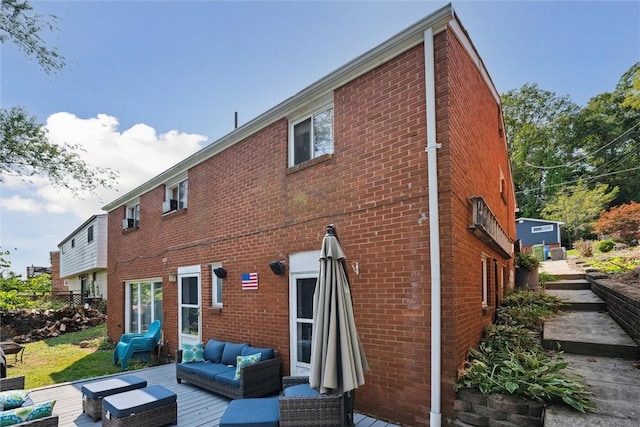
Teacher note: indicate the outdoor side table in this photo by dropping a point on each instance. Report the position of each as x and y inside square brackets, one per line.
[10, 347]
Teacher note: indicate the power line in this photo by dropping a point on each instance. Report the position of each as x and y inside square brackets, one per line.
[586, 155]
[576, 180]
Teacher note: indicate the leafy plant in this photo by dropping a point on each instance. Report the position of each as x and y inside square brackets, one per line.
[623, 221]
[510, 358]
[606, 245]
[545, 277]
[527, 260]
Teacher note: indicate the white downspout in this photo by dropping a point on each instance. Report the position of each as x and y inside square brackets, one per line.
[435, 418]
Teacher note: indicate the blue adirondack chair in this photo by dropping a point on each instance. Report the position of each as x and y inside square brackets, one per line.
[137, 346]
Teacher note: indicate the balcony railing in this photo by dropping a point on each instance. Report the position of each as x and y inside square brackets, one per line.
[485, 225]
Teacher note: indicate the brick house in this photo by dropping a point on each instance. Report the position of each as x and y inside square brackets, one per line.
[358, 149]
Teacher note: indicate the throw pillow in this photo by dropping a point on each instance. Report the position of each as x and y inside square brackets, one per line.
[27, 413]
[13, 398]
[245, 361]
[192, 353]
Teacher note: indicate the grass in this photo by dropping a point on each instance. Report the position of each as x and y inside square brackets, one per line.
[61, 359]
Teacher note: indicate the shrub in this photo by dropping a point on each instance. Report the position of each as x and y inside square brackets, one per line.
[527, 260]
[606, 245]
[584, 247]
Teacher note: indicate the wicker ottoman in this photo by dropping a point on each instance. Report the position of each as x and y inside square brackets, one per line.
[153, 406]
[93, 393]
[258, 412]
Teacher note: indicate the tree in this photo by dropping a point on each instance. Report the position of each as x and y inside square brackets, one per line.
[26, 150]
[622, 221]
[607, 134]
[578, 207]
[19, 25]
[538, 124]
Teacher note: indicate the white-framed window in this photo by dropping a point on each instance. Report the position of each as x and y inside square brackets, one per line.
[485, 280]
[132, 216]
[311, 136]
[542, 228]
[90, 234]
[175, 195]
[143, 304]
[216, 287]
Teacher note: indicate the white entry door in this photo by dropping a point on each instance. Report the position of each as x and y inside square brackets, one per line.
[302, 284]
[189, 304]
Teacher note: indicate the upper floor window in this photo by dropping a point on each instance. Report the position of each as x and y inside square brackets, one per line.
[311, 136]
[175, 196]
[73, 243]
[132, 218]
[90, 234]
[542, 228]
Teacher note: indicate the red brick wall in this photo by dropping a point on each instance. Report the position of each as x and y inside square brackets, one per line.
[476, 152]
[57, 284]
[246, 208]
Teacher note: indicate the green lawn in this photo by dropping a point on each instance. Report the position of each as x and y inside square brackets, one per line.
[61, 359]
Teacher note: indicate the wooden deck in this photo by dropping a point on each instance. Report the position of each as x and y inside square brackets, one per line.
[196, 407]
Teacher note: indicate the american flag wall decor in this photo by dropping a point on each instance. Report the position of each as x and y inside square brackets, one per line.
[249, 281]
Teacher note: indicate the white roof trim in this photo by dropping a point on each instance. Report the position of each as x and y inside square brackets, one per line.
[520, 220]
[364, 63]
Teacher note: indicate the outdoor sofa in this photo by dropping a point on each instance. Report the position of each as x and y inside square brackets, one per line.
[17, 383]
[230, 369]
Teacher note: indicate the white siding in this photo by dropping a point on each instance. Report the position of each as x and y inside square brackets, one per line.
[85, 256]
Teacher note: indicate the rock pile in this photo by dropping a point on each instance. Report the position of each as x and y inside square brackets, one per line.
[24, 326]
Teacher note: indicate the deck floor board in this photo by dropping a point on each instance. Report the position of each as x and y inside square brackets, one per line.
[196, 407]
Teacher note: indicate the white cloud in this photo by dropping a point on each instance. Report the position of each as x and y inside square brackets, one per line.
[137, 154]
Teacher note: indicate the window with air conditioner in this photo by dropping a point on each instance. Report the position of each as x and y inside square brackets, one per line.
[175, 196]
[132, 216]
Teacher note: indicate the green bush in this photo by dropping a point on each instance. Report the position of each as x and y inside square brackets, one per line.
[527, 260]
[606, 245]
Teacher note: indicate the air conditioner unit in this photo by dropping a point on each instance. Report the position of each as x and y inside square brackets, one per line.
[127, 223]
[169, 205]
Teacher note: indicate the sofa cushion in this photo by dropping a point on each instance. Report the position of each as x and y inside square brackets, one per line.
[26, 413]
[267, 353]
[213, 351]
[13, 398]
[192, 353]
[243, 361]
[228, 378]
[205, 369]
[231, 353]
[300, 390]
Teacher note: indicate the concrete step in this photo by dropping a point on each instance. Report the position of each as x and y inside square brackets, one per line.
[588, 333]
[615, 384]
[568, 276]
[579, 299]
[568, 284]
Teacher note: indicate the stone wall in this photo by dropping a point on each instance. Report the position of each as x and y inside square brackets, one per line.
[623, 302]
[496, 410]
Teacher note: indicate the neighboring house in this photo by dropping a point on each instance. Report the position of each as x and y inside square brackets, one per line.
[532, 231]
[83, 258]
[34, 271]
[423, 235]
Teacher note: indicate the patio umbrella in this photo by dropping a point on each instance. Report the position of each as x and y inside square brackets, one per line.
[338, 362]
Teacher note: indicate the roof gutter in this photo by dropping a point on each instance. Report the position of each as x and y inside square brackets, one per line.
[435, 418]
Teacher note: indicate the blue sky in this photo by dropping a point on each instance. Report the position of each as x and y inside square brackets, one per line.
[147, 83]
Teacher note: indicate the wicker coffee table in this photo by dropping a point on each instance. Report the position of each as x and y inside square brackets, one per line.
[93, 393]
[152, 406]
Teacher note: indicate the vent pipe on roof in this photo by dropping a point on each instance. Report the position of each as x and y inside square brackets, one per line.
[235, 120]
